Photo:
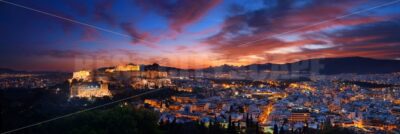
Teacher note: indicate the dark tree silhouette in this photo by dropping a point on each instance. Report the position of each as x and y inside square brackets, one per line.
[275, 129]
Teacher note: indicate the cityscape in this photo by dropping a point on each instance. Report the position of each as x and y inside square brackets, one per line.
[200, 67]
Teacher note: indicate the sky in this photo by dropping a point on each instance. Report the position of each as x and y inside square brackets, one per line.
[70, 35]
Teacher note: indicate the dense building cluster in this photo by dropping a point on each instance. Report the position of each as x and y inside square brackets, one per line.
[290, 106]
[361, 103]
[30, 80]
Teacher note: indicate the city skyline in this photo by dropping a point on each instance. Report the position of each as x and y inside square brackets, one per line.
[200, 66]
[192, 34]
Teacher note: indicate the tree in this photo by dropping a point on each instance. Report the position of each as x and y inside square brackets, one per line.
[281, 130]
[257, 128]
[275, 129]
[251, 120]
[230, 122]
[285, 121]
[247, 120]
[327, 125]
[115, 120]
[305, 128]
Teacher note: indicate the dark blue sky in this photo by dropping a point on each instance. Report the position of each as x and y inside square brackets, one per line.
[192, 33]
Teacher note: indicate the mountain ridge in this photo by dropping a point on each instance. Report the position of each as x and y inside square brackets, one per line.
[327, 66]
[357, 65]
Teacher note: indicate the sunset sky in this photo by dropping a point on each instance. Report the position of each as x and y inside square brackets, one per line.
[68, 35]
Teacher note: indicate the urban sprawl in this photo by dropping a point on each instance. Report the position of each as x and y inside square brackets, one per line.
[365, 103]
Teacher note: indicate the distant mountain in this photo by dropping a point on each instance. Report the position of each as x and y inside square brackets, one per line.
[10, 71]
[357, 65]
[327, 66]
[222, 68]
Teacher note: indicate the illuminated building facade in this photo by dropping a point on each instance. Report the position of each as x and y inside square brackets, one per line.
[184, 99]
[299, 117]
[124, 68]
[95, 83]
[153, 102]
[81, 75]
[150, 80]
[89, 90]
